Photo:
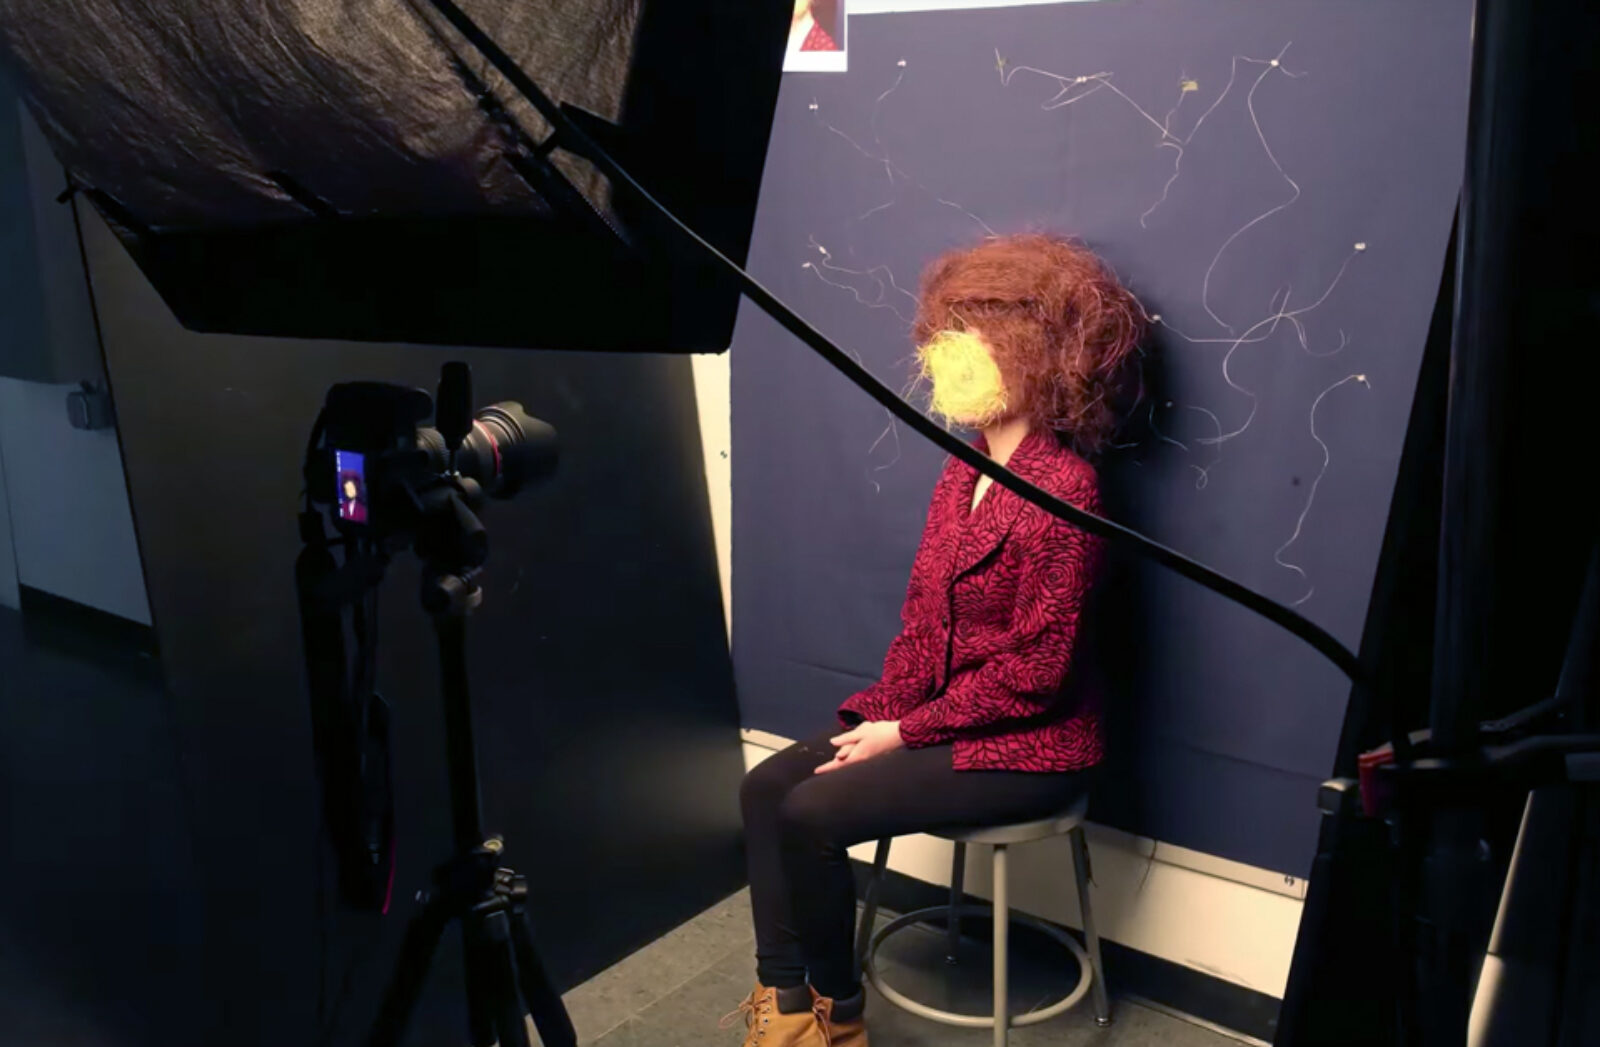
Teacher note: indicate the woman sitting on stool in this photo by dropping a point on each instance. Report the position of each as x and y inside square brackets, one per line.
[983, 714]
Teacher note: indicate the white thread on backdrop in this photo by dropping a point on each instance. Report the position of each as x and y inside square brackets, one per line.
[876, 286]
[882, 276]
[1327, 458]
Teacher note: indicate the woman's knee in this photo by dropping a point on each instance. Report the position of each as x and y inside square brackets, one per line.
[765, 785]
[809, 811]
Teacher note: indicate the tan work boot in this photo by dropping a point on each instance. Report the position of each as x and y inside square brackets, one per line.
[849, 1030]
[771, 1019]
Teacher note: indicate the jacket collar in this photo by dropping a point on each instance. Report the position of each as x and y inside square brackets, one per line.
[987, 526]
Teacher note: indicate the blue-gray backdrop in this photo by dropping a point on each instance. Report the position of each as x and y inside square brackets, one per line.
[1276, 182]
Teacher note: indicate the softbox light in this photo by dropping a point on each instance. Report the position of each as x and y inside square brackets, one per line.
[356, 169]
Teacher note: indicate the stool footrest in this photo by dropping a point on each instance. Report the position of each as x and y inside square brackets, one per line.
[974, 1021]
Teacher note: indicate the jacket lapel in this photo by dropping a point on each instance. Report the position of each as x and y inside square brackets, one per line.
[989, 524]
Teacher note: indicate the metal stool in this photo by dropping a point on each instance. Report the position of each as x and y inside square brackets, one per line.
[1001, 837]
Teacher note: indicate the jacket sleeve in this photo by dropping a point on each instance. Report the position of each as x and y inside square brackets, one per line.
[908, 667]
[1026, 673]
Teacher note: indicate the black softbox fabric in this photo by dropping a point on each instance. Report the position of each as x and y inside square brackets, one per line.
[355, 169]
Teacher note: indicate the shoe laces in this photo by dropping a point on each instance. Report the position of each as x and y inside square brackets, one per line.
[821, 1010]
[756, 1015]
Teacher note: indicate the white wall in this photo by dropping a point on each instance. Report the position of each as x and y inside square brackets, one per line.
[70, 522]
[711, 378]
[65, 516]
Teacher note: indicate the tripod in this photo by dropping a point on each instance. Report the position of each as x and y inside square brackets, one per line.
[506, 979]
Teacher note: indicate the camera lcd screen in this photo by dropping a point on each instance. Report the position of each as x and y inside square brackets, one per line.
[351, 468]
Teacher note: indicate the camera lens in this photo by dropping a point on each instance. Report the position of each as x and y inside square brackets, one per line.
[507, 449]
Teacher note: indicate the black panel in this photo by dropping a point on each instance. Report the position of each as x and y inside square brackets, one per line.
[1516, 528]
[600, 671]
[87, 633]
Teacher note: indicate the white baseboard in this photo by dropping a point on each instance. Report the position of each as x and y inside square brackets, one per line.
[1230, 920]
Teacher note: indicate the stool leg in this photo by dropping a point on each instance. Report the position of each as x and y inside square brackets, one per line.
[1002, 925]
[952, 921]
[869, 911]
[1080, 868]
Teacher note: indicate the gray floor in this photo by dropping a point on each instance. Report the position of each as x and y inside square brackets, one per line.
[673, 992]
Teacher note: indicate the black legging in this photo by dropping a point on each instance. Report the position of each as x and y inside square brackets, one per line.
[798, 824]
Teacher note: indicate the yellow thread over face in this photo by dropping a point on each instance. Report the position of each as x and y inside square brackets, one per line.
[968, 388]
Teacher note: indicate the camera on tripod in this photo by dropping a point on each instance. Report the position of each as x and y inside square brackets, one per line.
[383, 481]
[387, 479]
[376, 482]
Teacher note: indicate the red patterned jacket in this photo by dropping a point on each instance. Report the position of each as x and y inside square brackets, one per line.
[986, 656]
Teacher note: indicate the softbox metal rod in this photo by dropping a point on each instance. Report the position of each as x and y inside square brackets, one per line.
[576, 140]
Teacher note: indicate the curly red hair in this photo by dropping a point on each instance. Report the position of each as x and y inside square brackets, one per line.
[1063, 330]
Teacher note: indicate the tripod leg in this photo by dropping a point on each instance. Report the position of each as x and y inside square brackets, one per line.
[494, 966]
[544, 1003]
[480, 1008]
[410, 971]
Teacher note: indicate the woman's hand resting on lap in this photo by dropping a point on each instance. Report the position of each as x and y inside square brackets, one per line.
[867, 740]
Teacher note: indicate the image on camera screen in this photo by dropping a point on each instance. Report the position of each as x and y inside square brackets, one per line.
[352, 481]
